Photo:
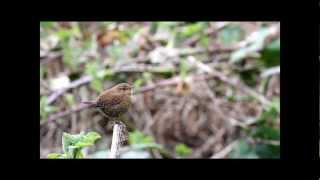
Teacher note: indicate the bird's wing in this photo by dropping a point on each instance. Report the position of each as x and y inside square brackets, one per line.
[108, 101]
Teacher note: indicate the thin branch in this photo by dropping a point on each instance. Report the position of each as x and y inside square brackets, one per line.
[224, 152]
[87, 79]
[271, 71]
[76, 83]
[231, 82]
[56, 116]
[50, 57]
[162, 83]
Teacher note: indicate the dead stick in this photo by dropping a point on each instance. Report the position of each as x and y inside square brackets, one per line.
[116, 141]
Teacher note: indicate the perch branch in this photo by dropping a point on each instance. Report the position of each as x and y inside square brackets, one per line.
[87, 79]
[116, 141]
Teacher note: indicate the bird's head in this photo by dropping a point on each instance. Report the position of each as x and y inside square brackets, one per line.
[124, 88]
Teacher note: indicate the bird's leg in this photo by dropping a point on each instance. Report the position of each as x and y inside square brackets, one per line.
[103, 113]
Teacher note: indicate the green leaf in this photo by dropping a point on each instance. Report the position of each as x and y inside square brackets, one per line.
[265, 132]
[105, 73]
[243, 150]
[64, 34]
[138, 137]
[270, 56]
[146, 146]
[87, 139]
[91, 69]
[70, 99]
[268, 151]
[153, 28]
[116, 52]
[166, 25]
[274, 45]
[96, 84]
[271, 112]
[79, 155]
[67, 140]
[137, 83]
[42, 72]
[183, 150]
[68, 55]
[275, 105]
[75, 152]
[147, 76]
[250, 76]
[191, 29]
[107, 24]
[204, 41]
[253, 48]
[80, 140]
[45, 108]
[47, 24]
[231, 34]
[184, 69]
[56, 156]
[75, 30]
[73, 144]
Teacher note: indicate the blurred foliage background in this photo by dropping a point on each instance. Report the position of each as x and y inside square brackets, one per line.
[203, 89]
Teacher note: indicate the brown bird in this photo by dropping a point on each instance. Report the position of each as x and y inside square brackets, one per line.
[113, 102]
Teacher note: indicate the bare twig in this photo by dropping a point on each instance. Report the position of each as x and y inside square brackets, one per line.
[224, 152]
[65, 113]
[211, 31]
[56, 94]
[116, 141]
[272, 31]
[271, 71]
[231, 82]
[212, 140]
[45, 85]
[87, 79]
[50, 57]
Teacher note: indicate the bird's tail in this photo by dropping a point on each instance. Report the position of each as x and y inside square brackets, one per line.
[91, 103]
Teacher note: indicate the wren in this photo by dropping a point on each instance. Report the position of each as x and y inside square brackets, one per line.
[113, 102]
